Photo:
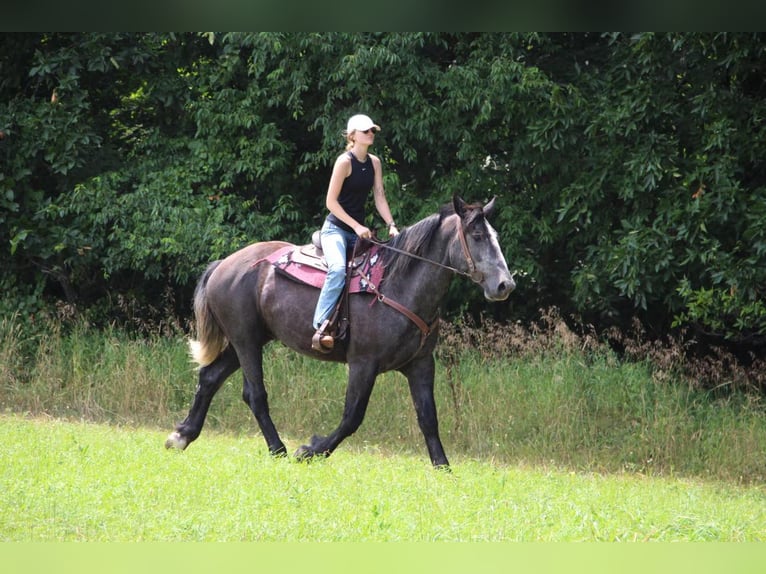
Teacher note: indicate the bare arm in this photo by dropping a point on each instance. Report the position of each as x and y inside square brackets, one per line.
[379, 193]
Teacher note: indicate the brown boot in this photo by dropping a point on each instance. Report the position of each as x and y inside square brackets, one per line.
[322, 342]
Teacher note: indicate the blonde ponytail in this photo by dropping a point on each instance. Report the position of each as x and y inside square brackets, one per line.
[349, 141]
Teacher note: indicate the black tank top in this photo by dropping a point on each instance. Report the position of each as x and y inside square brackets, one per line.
[353, 193]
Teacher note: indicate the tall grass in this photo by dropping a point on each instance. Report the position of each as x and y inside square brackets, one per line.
[543, 398]
[100, 376]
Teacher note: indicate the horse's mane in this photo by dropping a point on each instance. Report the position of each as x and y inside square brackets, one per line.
[414, 239]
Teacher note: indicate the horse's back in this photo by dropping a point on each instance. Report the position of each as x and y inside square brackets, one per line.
[254, 252]
[238, 274]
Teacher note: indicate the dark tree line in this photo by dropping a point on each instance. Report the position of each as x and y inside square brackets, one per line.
[629, 168]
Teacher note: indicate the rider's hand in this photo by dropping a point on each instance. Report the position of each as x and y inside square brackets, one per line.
[393, 231]
[363, 232]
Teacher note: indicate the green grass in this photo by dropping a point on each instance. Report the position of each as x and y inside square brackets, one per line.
[70, 481]
[559, 406]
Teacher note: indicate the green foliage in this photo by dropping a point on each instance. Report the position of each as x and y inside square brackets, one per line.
[672, 205]
[629, 168]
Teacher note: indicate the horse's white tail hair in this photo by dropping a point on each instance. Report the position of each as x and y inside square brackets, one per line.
[210, 340]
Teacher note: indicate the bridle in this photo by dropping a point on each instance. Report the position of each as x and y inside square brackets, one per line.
[425, 329]
[473, 273]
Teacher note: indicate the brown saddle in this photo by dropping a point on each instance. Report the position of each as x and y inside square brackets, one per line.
[311, 255]
[306, 264]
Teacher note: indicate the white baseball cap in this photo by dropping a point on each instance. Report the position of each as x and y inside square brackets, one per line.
[360, 123]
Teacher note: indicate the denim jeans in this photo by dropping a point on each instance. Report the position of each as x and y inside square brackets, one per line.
[335, 242]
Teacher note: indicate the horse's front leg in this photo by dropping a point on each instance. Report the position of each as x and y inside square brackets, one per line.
[420, 376]
[361, 379]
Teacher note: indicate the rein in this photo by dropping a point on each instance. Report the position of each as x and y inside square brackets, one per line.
[474, 274]
[425, 329]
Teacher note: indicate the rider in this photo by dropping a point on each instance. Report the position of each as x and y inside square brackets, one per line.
[355, 172]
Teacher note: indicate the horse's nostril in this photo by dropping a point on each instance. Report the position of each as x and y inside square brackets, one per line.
[506, 287]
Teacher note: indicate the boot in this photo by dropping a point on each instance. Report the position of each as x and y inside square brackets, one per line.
[321, 341]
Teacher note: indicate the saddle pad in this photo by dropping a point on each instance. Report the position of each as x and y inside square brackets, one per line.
[291, 263]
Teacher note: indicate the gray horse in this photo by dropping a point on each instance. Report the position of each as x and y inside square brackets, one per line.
[241, 304]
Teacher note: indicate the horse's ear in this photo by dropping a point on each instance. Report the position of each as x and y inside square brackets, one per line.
[458, 205]
[489, 209]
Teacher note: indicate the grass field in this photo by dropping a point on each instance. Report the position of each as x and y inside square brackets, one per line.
[551, 439]
[89, 482]
[545, 401]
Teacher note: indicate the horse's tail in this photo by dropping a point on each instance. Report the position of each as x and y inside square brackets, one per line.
[210, 340]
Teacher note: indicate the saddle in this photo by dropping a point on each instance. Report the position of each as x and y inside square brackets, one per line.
[306, 264]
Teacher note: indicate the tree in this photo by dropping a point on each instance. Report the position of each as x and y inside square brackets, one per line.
[629, 167]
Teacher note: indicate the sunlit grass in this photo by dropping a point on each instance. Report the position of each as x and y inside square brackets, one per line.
[81, 481]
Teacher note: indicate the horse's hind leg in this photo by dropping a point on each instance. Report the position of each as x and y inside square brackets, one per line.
[255, 396]
[211, 377]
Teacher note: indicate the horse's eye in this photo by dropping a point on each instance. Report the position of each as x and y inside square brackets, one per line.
[478, 237]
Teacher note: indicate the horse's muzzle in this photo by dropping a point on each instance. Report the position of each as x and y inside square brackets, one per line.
[501, 289]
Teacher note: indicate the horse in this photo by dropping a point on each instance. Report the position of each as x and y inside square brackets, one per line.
[241, 304]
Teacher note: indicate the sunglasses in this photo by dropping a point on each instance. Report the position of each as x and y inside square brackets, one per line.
[373, 130]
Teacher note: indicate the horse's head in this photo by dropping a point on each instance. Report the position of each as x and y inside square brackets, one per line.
[481, 250]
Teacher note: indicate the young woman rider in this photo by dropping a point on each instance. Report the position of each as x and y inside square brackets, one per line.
[354, 174]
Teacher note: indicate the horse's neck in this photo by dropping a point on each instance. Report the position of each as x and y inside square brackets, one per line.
[424, 285]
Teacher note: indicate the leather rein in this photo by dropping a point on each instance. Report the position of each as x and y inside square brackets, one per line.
[425, 330]
[473, 274]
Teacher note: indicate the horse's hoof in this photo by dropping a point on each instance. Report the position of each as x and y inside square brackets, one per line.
[279, 452]
[175, 440]
[304, 453]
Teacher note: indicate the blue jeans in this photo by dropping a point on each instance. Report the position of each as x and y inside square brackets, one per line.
[335, 242]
